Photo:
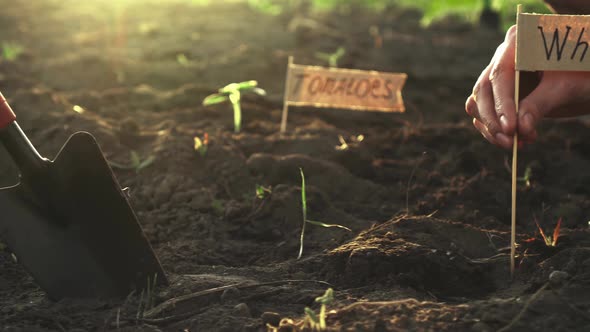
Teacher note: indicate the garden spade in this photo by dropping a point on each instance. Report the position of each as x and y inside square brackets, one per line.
[69, 223]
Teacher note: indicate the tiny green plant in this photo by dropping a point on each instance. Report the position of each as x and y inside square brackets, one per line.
[11, 51]
[306, 221]
[262, 192]
[266, 6]
[233, 93]
[332, 58]
[550, 240]
[317, 322]
[526, 178]
[182, 59]
[136, 163]
[147, 298]
[201, 145]
[218, 207]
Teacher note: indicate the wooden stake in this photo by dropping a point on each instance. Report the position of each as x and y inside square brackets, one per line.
[514, 157]
[285, 102]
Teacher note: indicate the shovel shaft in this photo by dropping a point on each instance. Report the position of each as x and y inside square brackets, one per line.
[30, 163]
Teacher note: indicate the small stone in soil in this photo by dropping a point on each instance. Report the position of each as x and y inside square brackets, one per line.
[557, 278]
[242, 310]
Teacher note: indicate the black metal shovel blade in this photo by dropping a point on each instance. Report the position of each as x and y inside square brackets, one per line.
[85, 240]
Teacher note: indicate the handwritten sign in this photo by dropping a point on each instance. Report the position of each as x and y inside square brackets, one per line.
[553, 42]
[342, 88]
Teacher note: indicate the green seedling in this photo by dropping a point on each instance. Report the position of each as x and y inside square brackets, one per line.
[136, 163]
[147, 298]
[182, 60]
[266, 7]
[11, 51]
[317, 322]
[550, 241]
[526, 178]
[201, 146]
[217, 206]
[233, 93]
[332, 58]
[306, 221]
[262, 192]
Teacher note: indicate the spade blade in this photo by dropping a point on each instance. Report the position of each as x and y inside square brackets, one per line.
[80, 238]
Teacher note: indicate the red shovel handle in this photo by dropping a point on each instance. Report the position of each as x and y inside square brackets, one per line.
[6, 114]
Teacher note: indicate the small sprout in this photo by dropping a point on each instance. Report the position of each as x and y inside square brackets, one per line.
[343, 145]
[327, 298]
[78, 109]
[182, 59]
[233, 93]
[262, 192]
[318, 322]
[139, 164]
[217, 206]
[201, 146]
[332, 58]
[305, 220]
[136, 163]
[268, 7]
[550, 241]
[526, 178]
[11, 51]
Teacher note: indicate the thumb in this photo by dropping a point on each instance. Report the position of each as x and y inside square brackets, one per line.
[549, 95]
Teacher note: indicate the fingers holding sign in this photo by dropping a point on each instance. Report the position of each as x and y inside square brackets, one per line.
[492, 102]
[543, 94]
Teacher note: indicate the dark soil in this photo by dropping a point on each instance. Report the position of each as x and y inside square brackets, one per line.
[427, 199]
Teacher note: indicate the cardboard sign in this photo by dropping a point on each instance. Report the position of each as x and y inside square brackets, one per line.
[345, 88]
[553, 42]
[342, 88]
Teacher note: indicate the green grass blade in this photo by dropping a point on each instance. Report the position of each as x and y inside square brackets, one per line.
[134, 157]
[304, 210]
[148, 161]
[319, 223]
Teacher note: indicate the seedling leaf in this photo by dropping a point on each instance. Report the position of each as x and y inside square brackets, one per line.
[327, 298]
[215, 99]
[556, 231]
[182, 59]
[262, 191]
[545, 238]
[311, 315]
[259, 91]
[11, 51]
[550, 241]
[319, 223]
[242, 86]
[201, 146]
[134, 157]
[148, 161]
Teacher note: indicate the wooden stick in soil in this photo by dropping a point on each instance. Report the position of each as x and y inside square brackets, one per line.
[514, 157]
[285, 102]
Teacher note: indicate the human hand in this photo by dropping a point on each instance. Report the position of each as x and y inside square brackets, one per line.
[552, 94]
